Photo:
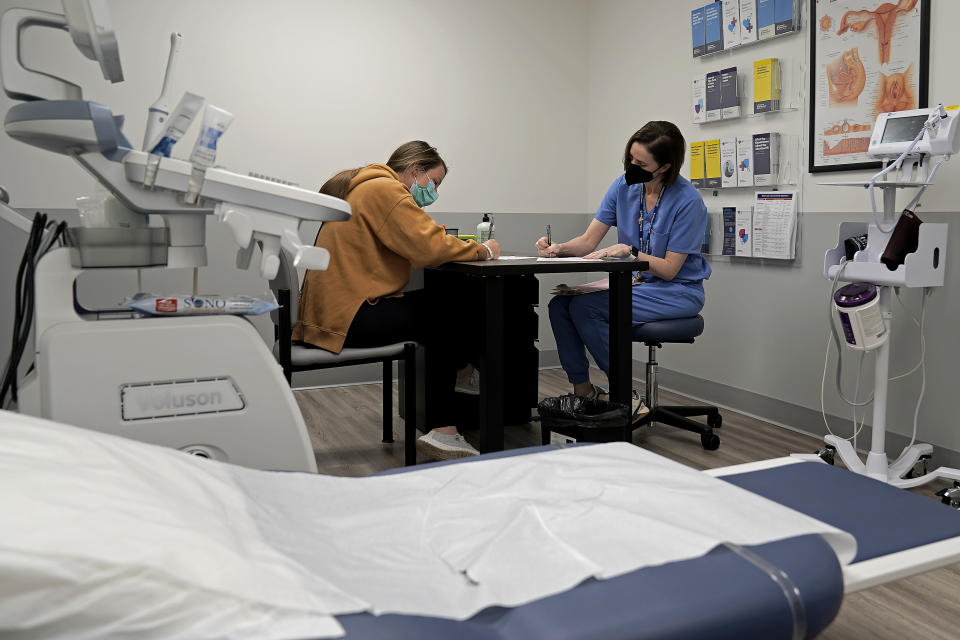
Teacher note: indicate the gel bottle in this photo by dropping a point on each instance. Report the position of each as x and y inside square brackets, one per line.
[484, 229]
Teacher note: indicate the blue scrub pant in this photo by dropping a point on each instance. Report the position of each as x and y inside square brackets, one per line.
[584, 321]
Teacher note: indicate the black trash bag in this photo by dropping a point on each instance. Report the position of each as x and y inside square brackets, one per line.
[585, 413]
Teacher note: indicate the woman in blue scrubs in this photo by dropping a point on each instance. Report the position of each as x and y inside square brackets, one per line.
[661, 219]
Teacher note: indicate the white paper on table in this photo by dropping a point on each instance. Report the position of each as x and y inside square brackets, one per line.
[569, 259]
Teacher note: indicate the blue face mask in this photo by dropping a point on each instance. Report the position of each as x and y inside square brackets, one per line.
[424, 196]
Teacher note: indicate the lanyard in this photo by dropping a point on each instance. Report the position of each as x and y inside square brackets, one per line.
[645, 236]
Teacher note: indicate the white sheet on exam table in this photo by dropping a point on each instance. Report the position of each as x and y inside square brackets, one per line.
[508, 531]
[446, 541]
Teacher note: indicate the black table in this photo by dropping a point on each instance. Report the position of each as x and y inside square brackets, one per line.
[492, 358]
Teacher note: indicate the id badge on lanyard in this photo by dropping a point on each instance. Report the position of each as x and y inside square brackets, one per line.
[645, 234]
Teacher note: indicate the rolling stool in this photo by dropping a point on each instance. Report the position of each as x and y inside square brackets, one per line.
[654, 334]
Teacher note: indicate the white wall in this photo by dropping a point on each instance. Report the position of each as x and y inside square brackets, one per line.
[318, 86]
[766, 322]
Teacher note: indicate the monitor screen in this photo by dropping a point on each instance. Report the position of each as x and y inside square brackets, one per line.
[903, 129]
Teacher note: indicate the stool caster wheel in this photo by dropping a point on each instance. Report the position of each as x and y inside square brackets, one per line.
[919, 468]
[827, 454]
[951, 495]
[710, 441]
[714, 421]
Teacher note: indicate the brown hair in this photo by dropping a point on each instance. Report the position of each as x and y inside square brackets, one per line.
[416, 154]
[338, 185]
[664, 142]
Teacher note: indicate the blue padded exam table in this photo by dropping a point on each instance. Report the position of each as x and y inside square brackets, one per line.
[721, 595]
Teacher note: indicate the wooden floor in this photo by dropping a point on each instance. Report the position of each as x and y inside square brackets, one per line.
[345, 428]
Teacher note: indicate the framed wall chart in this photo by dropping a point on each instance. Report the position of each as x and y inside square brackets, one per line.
[866, 57]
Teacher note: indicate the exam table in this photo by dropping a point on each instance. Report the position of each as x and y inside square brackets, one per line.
[722, 595]
[789, 588]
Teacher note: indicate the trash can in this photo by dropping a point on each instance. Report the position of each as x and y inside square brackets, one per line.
[573, 418]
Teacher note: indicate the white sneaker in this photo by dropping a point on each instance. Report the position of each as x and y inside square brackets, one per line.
[444, 446]
[469, 385]
[599, 393]
[638, 408]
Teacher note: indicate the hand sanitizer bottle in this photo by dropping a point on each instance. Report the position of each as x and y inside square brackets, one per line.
[484, 229]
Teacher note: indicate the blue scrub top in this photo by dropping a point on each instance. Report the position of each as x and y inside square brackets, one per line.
[679, 224]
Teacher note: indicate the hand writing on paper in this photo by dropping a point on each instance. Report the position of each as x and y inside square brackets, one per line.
[547, 250]
[616, 251]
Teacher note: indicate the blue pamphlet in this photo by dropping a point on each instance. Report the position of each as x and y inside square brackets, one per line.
[729, 231]
[765, 19]
[784, 16]
[713, 21]
[699, 33]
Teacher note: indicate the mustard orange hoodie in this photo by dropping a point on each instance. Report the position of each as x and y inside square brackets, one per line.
[371, 255]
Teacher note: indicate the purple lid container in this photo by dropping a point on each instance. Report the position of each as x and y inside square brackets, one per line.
[855, 294]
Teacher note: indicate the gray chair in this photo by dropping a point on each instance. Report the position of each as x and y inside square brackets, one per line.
[654, 335]
[299, 357]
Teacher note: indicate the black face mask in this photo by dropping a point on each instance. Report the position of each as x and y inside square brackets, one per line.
[635, 174]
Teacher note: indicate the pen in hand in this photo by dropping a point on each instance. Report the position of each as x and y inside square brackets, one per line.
[549, 240]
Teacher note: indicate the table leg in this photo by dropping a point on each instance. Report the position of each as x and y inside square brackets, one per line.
[491, 367]
[621, 345]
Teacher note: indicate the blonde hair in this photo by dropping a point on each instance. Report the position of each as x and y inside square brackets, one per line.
[415, 154]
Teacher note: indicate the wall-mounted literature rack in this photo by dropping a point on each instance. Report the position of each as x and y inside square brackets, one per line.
[722, 190]
[767, 229]
[749, 91]
[748, 45]
[774, 156]
[760, 91]
[726, 26]
[762, 114]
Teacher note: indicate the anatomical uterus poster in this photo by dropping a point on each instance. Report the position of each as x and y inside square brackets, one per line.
[867, 55]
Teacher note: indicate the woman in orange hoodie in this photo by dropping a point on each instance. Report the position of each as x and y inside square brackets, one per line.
[357, 301]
